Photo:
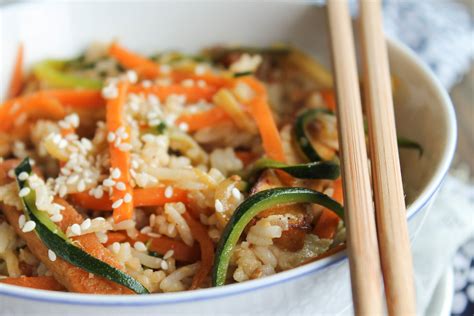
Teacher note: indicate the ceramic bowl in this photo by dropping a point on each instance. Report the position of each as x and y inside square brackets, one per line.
[423, 110]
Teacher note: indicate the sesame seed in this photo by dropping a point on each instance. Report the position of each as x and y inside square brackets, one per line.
[120, 186]
[23, 176]
[51, 255]
[72, 179]
[116, 247]
[165, 69]
[140, 246]
[86, 224]
[115, 174]
[127, 198]
[164, 265]
[125, 147]
[24, 192]
[108, 183]
[219, 206]
[103, 238]
[76, 229]
[11, 173]
[183, 126]
[62, 144]
[199, 70]
[98, 192]
[146, 83]
[56, 138]
[117, 203]
[81, 186]
[236, 193]
[110, 137]
[168, 254]
[132, 76]
[145, 230]
[57, 218]
[110, 92]
[169, 192]
[21, 221]
[28, 227]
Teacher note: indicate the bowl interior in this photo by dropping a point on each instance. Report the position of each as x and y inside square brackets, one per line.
[57, 30]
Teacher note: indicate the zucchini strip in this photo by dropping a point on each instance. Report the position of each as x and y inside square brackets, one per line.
[300, 132]
[251, 207]
[313, 170]
[55, 240]
[51, 72]
[409, 144]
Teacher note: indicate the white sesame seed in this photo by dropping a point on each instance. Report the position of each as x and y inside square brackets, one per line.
[117, 203]
[110, 91]
[115, 174]
[169, 192]
[110, 137]
[62, 144]
[120, 186]
[57, 218]
[116, 247]
[86, 224]
[140, 246]
[72, 179]
[154, 122]
[24, 192]
[108, 183]
[236, 193]
[145, 230]
[51, 255]
[148, 138]
[76, 229]
[127, 198]
[168, 254]
[146, 83]
[132, 76]
[81, 186]
[219, 206]
[183, 126]
[56, 138]
[98, 192]
[21, 221]
[103, 238]
[23, 176]
[164, 265]
[199, 70]
[125, 147]
[28, 227]
[165, 69]
[11, 173]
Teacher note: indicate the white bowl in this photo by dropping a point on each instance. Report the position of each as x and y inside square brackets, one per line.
[423, 108]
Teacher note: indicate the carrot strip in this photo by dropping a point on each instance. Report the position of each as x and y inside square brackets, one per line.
[246, 157]
[182, 252]
[16, 81]
[120, 159]
[326, 227]
[193, 94]
[207, 250]
[141, 198]
[36, 282]
[204, 119]
[262, 114]
[329, 99]
[76, 98]
[142, 65]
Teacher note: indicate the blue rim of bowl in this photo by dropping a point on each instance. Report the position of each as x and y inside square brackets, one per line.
[283, 277]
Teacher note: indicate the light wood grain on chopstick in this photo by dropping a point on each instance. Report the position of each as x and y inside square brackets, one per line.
[358, 205]
[387, 181]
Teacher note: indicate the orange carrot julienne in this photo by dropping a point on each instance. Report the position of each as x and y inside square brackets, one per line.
[141, 198]
[193, 94]
[262, 114]
[326, 227]
[122, 201]
[36, 282]
[207, 250]
[203, 119]
[329, 99]
[142, 65]
[16, 81]
[182, 252]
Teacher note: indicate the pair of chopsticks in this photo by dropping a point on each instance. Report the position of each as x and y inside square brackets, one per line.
[382, 241]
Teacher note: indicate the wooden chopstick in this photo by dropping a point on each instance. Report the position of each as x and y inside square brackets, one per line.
[359, 211]
[390, 208]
